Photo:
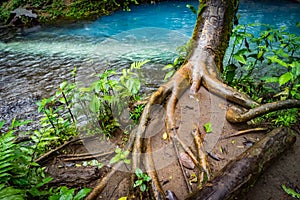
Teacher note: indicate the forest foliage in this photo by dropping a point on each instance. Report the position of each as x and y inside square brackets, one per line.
[52, 10]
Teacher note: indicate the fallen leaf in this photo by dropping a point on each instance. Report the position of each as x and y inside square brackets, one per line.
[165, 136]
[186, 161]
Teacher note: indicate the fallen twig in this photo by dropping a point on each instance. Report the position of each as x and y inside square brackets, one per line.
[242, 132]
[50, 153]
[78, 157]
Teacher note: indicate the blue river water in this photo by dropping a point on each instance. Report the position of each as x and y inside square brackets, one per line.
[36, 61]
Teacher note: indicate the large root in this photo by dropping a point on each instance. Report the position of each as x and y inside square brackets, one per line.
[242, 172]
[202, 68]
[238, 115]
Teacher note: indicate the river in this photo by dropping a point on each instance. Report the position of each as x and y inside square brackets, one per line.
[35, 61]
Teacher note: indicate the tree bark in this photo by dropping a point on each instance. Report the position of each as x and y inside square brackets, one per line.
[202, 68]
[245, 169]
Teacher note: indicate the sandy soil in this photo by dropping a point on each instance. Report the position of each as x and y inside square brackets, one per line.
[190, 112]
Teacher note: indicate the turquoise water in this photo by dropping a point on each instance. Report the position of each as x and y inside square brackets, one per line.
[151, 28]
[278, 13]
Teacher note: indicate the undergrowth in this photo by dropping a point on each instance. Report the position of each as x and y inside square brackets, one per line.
[100, 104]
[266, 66]
[49, 10]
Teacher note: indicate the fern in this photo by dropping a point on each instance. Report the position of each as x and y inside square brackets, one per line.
[10, 193]
[7, 156]
[7, 147]
[20, 177]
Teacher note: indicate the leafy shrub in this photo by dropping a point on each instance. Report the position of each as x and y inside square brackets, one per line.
[266, 67]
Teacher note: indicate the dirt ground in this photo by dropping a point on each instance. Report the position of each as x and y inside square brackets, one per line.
[191, 112]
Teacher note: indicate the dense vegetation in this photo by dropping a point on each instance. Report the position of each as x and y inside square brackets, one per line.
[52, 10]
[266, 67]
[21, 176]
[100, 103]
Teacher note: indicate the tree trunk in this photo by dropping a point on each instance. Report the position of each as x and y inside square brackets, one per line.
[244, 170]
[202, 68]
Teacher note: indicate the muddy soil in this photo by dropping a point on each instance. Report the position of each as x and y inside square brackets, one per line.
[204, 108]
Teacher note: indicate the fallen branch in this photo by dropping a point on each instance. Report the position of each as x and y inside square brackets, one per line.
[86, 157]
[50, 153]
[244, 170]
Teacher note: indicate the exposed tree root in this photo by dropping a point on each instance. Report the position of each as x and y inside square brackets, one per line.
[158, 192]
[238, 115]
[104, 180]
[205, 169]
[243, 171]
[202, 68]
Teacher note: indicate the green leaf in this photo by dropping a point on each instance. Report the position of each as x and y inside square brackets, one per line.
[133, 85]
[114, 159]
[139, 173]
[290, 191]
[143, 188]
[192, 8]
[275, 59]
[63, 85]
[208, 127]
[169, 66]
[94, 104]
[284, 78]
[138, 182]
[2, 124]
[270, 79]
[126, 161]
[118, 150]
[240, 58]
[169, 74]
[82, 193]
[66, 193]
[295, 69]
[147, 178]
[126, 153]
[44, 181]
[260, 53]
[10, 193]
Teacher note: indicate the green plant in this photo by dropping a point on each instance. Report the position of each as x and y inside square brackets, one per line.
[136, 113]
[92, 163]
[183, 52]
[266, 67]
[286, 117]
[120, 156]
[290, 191]
[143, 180]
[109, 96]
[59, 123]
[208, 127]
[21, 177]
[64, 193]
[257, 64]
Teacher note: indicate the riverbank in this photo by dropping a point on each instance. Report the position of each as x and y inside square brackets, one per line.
[31, 13]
